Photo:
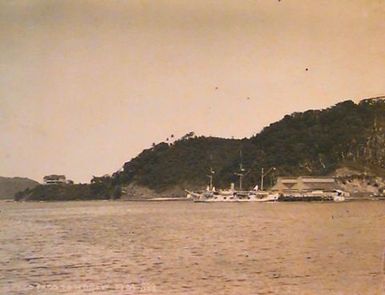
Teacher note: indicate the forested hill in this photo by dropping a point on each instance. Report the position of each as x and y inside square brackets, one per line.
[315, 142]
[11, 185]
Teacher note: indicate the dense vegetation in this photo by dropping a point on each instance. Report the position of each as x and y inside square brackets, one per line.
[315, 142]
[67, 192]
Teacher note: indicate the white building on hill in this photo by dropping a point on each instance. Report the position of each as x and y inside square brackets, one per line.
[55, 179]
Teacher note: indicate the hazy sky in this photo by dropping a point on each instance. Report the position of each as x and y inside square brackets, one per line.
[86, 85]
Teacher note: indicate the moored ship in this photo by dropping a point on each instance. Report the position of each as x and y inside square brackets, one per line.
[232, 196]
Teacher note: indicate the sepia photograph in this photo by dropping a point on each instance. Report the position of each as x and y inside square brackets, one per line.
[173, 147]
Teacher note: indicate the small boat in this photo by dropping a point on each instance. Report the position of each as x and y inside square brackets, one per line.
[339, 196]
[270, 197]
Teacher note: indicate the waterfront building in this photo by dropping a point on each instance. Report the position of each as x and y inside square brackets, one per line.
[304, 184]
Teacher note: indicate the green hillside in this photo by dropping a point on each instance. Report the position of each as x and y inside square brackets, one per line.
[315, 142]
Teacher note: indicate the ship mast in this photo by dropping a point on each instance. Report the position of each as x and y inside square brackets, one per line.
[240, 174]
[263, 174]
[210, 176]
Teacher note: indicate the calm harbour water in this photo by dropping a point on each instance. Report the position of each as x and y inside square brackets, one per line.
[192, 248]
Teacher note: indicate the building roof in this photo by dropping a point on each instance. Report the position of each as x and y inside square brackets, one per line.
[317, 179]
[319, 185]
[289, 180]
[305, 183]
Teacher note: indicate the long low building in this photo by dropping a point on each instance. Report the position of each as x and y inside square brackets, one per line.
[303, 184]
[54, 179]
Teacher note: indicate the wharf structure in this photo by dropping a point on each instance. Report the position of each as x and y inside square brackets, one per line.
[305, 188]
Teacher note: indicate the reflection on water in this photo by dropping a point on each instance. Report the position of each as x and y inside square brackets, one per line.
[187, 248]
